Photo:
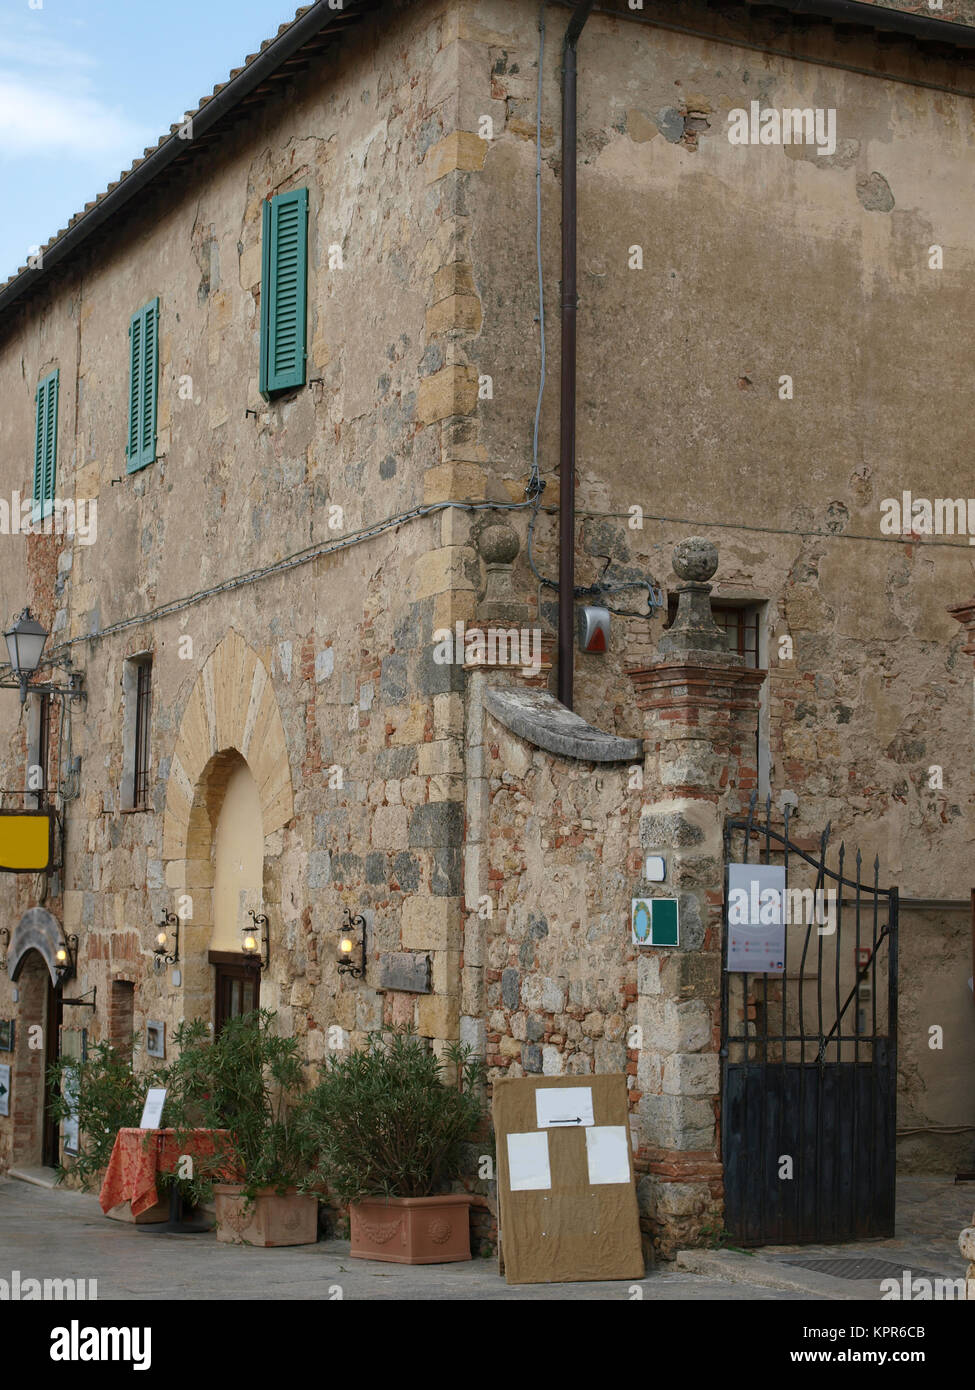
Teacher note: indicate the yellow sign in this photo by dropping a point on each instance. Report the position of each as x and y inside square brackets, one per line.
[26, 842]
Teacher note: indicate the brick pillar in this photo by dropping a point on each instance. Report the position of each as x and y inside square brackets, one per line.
[699, 706]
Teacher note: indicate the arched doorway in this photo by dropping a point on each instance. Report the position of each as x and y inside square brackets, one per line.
[32, 966]
[225, 882]
[228, 797]
[238, 890]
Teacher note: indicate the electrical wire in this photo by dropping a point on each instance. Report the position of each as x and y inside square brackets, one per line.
[289, 562]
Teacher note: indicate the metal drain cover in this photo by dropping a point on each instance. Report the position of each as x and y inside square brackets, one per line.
[859, 1267]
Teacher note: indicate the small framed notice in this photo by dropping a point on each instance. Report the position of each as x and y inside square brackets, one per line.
[70, 1124]
[153, 1108]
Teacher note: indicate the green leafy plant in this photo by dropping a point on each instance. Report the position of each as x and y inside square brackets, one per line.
[105, 1094]
[717, 1237]
[246, 1081]
[386, 1120]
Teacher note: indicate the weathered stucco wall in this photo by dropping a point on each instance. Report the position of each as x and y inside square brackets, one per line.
[758, 262]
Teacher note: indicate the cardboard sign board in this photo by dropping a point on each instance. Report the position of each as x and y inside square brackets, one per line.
[26, 841]
[566, 1186]
[756, 918]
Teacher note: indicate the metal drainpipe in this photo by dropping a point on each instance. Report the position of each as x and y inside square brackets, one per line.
[567, 446]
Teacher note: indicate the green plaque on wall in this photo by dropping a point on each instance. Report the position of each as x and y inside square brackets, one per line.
[654, 922]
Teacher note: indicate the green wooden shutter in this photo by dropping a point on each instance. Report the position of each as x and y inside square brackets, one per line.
[45, 446]
[143, 386]
[284, 291]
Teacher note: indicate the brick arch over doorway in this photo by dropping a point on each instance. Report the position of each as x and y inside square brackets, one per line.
[231, 717]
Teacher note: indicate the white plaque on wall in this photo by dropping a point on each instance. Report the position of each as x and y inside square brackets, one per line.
[756, 911]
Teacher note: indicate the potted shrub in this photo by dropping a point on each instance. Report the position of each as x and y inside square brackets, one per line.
[390, 1130]
[247, 1081]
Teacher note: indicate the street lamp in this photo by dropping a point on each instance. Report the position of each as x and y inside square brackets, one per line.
[256, 940]
[25, 646]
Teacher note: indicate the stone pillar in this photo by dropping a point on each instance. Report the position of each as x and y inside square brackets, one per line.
[699, 706]
[499, 607]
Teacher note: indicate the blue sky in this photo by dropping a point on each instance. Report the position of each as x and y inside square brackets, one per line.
[86, 85]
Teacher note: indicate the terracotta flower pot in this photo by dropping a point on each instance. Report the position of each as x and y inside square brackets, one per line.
[411, 1230]
[269, 1218]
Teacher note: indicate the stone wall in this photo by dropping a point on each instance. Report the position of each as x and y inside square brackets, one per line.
[321, 675]
[758, 264]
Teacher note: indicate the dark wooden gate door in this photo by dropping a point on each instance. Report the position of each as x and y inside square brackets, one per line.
[51, 1136]
[809, 1055]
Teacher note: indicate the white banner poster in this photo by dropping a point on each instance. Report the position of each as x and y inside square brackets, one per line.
[756, 918]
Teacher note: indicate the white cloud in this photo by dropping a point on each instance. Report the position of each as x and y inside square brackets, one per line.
[40, 118]
[38, 51]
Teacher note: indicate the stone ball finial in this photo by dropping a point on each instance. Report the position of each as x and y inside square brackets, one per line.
[695, 559]
[498, 544]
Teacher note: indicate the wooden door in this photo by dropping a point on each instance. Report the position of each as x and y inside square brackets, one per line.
[238, 989]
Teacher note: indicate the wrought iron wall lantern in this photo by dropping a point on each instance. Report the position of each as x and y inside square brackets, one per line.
[25, 641]
[347, 944]
[66, 957]
[256, 940]
[163, 955]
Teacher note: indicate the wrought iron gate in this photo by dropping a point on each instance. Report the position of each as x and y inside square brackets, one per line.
[809, 1056]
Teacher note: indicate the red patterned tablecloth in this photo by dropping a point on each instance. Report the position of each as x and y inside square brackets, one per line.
[139, 1154]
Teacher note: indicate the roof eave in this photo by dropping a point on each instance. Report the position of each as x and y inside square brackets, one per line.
[318, 17]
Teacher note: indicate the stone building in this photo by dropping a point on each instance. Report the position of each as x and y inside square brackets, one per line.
[293, 359]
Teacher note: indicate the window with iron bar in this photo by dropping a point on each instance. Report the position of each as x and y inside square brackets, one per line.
[143, 704]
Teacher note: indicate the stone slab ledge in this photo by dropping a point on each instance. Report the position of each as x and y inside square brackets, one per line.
[540, 719]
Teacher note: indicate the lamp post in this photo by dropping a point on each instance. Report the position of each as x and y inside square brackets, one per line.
[25, 640]
[66, 957]
[25, 644]
[256, 939]
[162, 951]
[351, 927]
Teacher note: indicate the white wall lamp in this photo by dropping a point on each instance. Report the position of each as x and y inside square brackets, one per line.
[25, 639]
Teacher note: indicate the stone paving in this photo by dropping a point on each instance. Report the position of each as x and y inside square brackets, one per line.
[930, 1215]
[58, 1234]
[47, 1233]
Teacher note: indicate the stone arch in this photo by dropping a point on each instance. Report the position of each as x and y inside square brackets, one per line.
[35, 1046]
[231, 720]
[36, 931]
[232, 706]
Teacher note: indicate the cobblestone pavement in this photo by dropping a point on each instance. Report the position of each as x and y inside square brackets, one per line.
[930, 1215]
[58, 1234]
[51, 1234]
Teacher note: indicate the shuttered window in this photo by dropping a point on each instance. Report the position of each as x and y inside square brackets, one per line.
[45, 447]
[283, 291]
[143, 385]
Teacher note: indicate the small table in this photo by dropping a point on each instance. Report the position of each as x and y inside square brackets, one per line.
[139, 1154]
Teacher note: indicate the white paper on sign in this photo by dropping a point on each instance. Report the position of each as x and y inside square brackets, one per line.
[528, 1166]
[607, 1154]
[558, 1107]
[152, 1110]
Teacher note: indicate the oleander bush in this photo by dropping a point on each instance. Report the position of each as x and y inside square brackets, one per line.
[388, 1121]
